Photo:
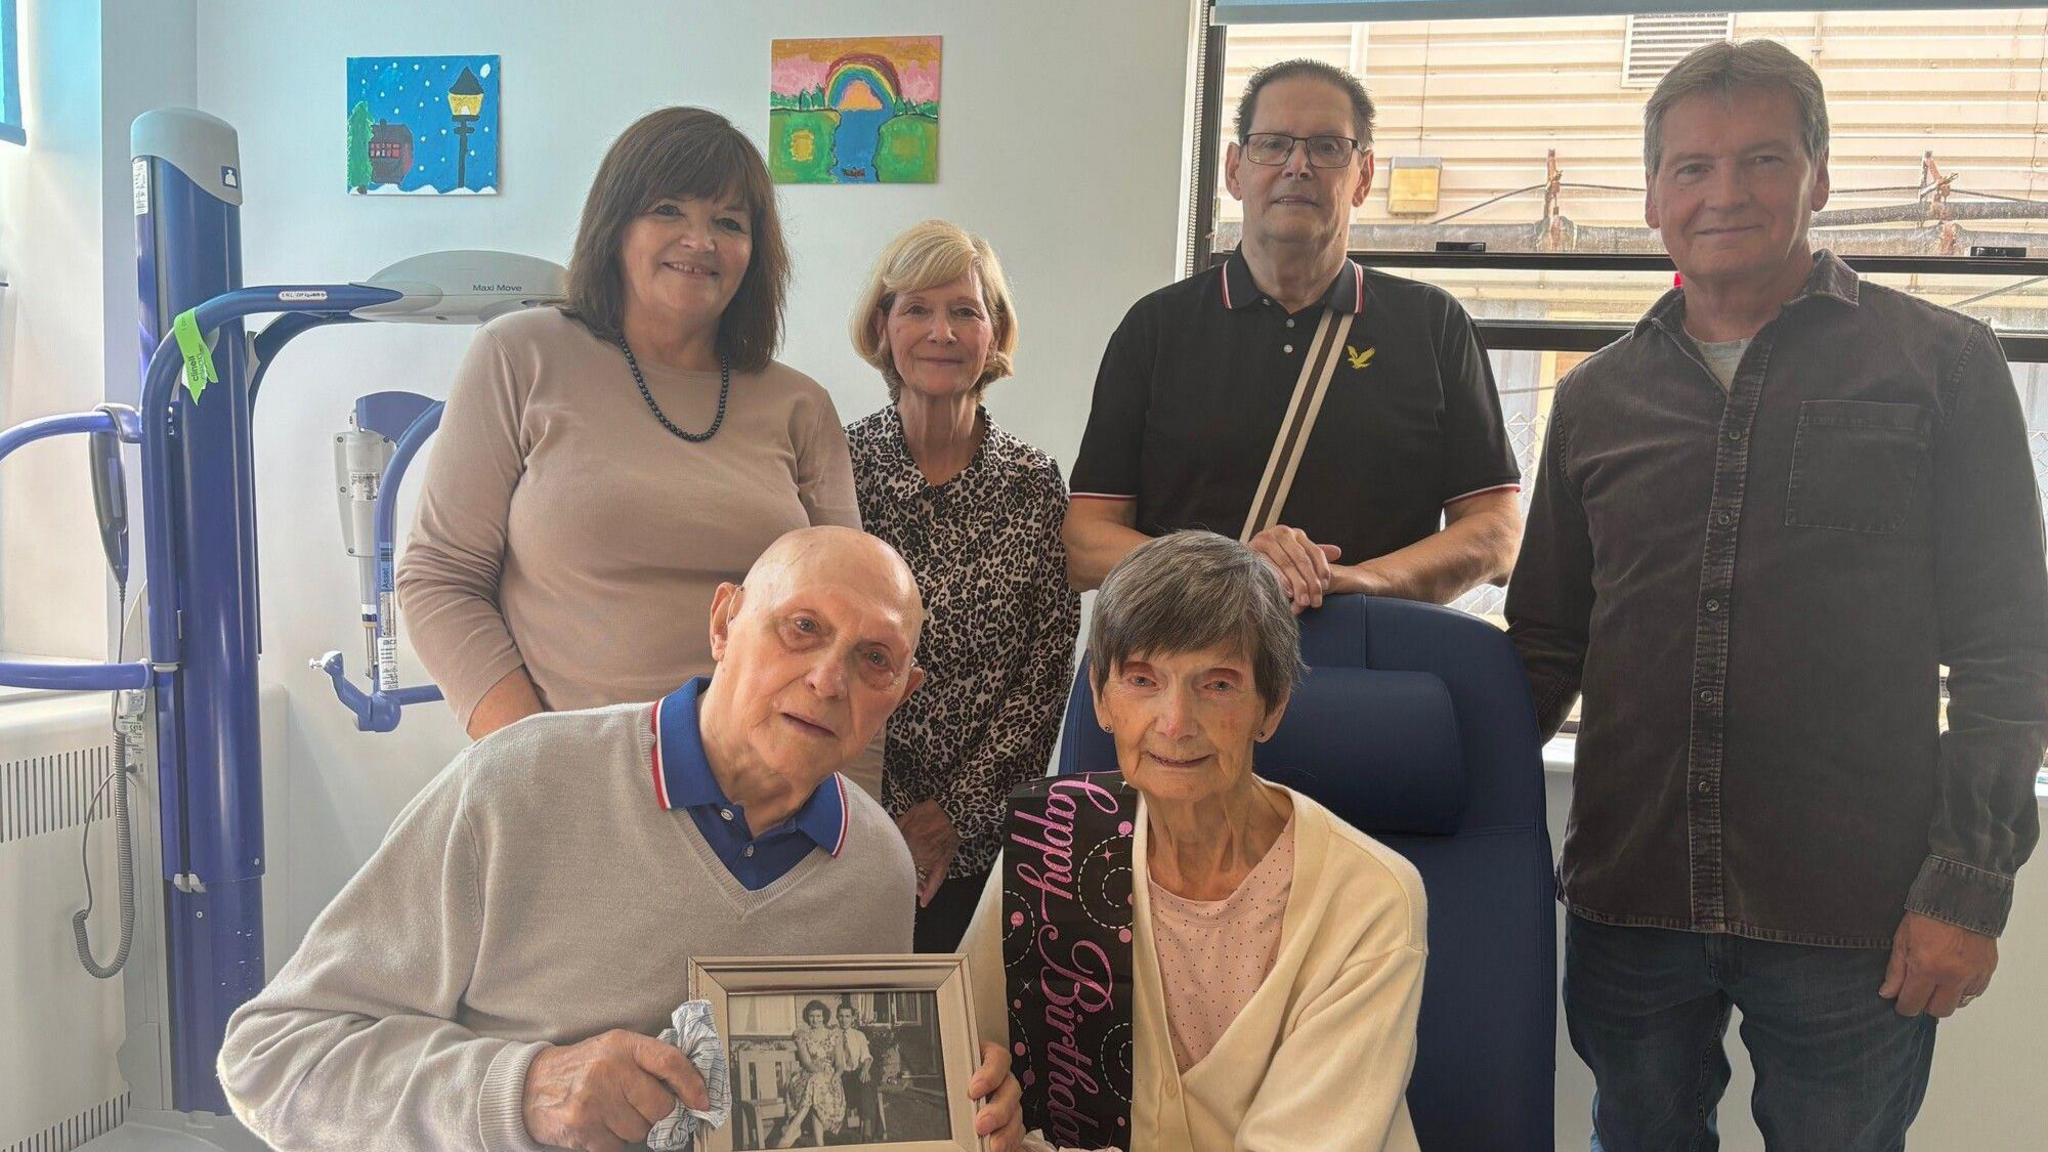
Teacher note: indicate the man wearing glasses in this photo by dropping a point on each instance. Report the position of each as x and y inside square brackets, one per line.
[1402, 479]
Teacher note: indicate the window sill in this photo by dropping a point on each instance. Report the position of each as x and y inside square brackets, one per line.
[1557, 755]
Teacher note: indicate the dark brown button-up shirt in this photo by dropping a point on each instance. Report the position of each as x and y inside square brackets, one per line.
[1755, 590]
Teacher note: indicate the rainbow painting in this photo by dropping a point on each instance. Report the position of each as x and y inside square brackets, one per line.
[854, 110]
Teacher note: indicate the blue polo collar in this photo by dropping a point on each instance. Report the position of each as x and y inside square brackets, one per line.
[683, 779]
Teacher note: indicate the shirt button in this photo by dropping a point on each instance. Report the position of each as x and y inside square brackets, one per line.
[1266, 302]
[1287, 347]
[1713, 605]
[1172, 1089]
[1723, 519]
[1290, 323]
[1707, 697]
[725, 813]
[748, 851]
[1735, 433]
[1706, 786]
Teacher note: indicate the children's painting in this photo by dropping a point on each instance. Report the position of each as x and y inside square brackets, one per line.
[860, 110]
[423, 125]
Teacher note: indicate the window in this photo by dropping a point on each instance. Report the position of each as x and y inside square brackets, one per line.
[1526, 135]
[1656, 42]
[1532, 131]
[908, 1007]
[10, 76]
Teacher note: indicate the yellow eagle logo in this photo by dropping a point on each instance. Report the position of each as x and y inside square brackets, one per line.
[1358, 359]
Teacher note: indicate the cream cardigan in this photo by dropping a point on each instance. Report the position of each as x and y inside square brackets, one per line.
[1320, 1056]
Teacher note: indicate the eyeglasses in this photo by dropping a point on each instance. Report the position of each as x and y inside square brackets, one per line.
[1323, 151]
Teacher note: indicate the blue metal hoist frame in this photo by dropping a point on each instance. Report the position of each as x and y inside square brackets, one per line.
[199, 536]
[201, 564]
[407, 419]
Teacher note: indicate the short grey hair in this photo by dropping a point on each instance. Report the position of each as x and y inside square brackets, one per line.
[1362, 111]
[1721, 68]
[1189, 591]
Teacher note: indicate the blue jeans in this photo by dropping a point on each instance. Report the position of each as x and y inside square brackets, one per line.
[1837, 1069]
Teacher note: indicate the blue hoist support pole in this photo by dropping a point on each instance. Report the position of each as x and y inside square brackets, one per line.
[199, 518]
[203, 607]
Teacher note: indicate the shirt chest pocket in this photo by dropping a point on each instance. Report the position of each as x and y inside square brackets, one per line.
[1856, 464]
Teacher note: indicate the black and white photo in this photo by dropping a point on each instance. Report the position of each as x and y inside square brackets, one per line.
[836, 1068]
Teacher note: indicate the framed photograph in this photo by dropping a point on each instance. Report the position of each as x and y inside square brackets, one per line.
[867, 1052]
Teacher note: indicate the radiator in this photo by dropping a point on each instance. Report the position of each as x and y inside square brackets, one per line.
[75, 1131]
[60, 1029]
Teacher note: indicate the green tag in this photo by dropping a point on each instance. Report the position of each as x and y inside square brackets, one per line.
[198, 357]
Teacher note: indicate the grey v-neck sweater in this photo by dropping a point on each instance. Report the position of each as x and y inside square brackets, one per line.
[535, 892]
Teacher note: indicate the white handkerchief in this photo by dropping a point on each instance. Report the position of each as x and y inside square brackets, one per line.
[694, 1033]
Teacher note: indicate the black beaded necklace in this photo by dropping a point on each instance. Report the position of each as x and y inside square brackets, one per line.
[724, 390]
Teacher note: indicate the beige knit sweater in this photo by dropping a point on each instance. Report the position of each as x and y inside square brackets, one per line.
[534, 892]
[562, 528]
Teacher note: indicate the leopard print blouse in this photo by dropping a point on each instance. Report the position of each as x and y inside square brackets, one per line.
[998, 643]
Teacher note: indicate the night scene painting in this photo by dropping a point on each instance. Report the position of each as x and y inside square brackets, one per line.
[423, 125]
[857, 110]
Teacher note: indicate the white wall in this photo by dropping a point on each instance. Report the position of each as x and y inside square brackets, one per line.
[67, 320]
[51, 574]
[1061, 141]
[149, 60]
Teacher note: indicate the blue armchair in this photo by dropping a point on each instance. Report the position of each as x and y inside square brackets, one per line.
[1414, 723]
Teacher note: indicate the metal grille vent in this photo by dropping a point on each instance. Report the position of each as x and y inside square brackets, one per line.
[1655, 43]
[41, 794]
[77, 1131]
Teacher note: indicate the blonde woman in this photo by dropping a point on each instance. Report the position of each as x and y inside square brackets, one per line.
[977, 513]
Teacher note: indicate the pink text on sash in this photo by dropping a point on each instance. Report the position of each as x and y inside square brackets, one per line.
[1080, 983]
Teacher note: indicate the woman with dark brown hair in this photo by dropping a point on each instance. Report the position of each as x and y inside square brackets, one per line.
[603, 466]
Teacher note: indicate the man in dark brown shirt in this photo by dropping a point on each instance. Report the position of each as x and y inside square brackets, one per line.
[1764, 520]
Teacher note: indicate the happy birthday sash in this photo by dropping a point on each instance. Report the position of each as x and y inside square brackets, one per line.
[1067, 929]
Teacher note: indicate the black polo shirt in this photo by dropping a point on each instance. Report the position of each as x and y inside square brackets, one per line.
[1197, 378]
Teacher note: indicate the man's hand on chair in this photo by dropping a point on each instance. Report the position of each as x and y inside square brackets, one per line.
[1302, 564]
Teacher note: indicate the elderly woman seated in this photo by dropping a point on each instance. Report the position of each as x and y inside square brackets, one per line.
[1272, 954]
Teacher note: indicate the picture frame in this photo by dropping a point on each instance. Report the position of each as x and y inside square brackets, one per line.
[788, 1025]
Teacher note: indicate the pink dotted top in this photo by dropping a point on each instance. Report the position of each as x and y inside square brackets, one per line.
[1213, 954]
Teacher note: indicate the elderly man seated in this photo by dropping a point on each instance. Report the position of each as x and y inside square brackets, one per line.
[493, 976]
